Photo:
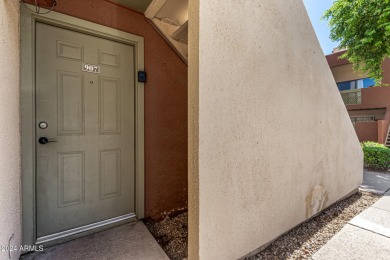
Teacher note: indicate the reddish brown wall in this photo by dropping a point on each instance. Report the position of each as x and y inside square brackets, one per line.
[382, 131]
[334, 61]
[165, 103]
[377, 97]
[367, 131]
[386, 71]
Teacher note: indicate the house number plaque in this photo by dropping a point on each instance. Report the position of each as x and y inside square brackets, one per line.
[91, 68]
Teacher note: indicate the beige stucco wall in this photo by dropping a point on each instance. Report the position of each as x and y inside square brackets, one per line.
[270, 140]
[10, 233]
[346, 73]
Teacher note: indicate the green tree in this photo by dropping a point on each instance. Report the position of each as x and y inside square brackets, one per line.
[363, 27]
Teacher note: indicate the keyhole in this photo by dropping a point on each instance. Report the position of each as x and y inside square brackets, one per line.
[91, 82]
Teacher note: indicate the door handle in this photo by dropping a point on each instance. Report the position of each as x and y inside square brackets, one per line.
[45, 140]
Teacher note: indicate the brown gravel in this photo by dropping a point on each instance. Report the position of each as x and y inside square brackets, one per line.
[299, 243]
[171, 233]
[303, 241]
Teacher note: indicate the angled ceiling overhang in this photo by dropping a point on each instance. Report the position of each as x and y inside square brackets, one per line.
[170, 17]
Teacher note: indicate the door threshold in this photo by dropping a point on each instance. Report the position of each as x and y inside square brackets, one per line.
[71, 234]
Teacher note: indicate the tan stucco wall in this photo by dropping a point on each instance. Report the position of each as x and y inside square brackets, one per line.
[346, 73]
[193, 130]
[10, 233]
[270, 140]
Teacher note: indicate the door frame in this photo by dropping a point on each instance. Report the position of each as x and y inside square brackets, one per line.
[27, 99]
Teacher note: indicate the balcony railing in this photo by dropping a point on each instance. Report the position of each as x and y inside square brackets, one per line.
[362, 119]
[352, 97]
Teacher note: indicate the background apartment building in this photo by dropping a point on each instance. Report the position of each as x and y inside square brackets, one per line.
[368, 106]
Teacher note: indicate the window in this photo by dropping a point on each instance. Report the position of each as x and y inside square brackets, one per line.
[356, 84]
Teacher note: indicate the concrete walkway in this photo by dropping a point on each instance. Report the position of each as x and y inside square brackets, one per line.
[366, 236]
[129, 241]
[374, 182]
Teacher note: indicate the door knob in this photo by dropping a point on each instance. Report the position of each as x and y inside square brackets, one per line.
[45, 140]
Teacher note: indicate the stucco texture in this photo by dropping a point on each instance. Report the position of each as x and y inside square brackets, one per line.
[270, 140]
[10, 213]
[165, 102]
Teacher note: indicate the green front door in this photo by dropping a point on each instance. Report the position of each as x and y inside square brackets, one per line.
[85, 99]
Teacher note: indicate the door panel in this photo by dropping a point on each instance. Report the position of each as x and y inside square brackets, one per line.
[70, 178]
[109, 105]
[87, 175]
[110, 173]
[70, 109]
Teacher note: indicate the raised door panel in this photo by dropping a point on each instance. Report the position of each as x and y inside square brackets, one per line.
[110, 173]
[72, 51]
[107, 58]
[109, 106]
[70, 103]
[71, 178]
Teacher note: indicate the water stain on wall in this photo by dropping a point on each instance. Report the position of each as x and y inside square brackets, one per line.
[316, 200]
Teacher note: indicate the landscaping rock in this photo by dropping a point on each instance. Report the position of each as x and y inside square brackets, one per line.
[303, 241]
[299, 243]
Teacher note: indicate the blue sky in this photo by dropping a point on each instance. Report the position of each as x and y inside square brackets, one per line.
[315, 9]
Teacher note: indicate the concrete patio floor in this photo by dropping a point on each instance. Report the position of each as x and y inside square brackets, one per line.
[366, 236]
[129, 241]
